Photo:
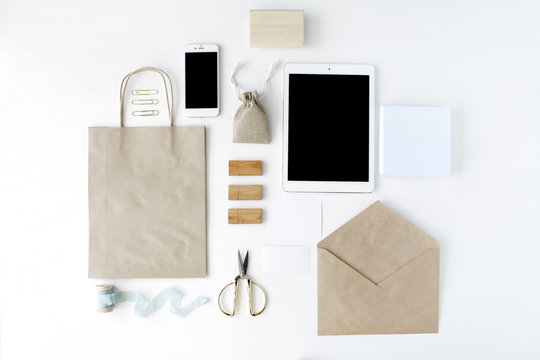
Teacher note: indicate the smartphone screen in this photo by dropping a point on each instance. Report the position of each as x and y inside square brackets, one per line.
[201, 80]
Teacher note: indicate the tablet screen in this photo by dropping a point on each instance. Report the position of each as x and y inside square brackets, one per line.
[328, 128]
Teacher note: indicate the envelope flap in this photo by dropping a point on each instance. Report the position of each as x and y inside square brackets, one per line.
[378, 242]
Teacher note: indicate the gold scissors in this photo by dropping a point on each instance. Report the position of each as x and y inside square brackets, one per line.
[242, 267]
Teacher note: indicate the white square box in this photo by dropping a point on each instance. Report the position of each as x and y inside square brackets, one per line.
[415, 141]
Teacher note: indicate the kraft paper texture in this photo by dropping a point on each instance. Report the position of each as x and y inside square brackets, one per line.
[147, 202]
[378, 274]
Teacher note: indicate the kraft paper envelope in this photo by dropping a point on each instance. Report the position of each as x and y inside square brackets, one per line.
[378, 274]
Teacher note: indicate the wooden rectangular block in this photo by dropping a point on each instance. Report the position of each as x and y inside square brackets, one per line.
[245, 168]
[245, 216]
[276, 28]
[245, 192]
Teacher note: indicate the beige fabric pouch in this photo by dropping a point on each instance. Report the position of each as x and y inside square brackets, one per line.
[250, 124]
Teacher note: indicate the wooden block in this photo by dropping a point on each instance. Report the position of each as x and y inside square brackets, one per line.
[245, 168]
[245, 192]
[245, 216]
[276, 28]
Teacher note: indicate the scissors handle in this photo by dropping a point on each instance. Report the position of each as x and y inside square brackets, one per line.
[251, 282]
[235, 282]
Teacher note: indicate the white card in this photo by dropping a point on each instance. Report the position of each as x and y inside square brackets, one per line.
[415, 141]
[286, 259]
[294, 220]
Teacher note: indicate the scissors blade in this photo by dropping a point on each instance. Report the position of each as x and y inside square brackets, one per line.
[246, 262]
[240, 268]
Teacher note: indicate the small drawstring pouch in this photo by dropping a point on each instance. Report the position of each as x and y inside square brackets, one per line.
[250, 123]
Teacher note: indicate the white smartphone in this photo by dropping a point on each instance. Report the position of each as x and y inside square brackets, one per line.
[201, 80]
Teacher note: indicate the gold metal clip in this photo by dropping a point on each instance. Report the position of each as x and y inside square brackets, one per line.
[145, 113]
[145, 102]
[144, 92]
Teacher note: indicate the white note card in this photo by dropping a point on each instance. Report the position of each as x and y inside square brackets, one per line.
[415, 141]
[294, 220]
[286, 259]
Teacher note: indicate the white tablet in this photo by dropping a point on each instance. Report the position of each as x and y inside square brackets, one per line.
[328, 130]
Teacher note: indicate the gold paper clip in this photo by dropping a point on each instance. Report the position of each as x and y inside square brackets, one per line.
[144, 92]
[145, 102]
[145, 113]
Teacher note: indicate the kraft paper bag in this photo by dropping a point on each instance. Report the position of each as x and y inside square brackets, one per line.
[147, 201]
[378, 274]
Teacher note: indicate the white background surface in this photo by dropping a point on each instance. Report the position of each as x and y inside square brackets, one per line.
[61, 63]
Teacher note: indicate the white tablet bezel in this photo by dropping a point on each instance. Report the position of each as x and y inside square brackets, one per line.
[329, 186]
